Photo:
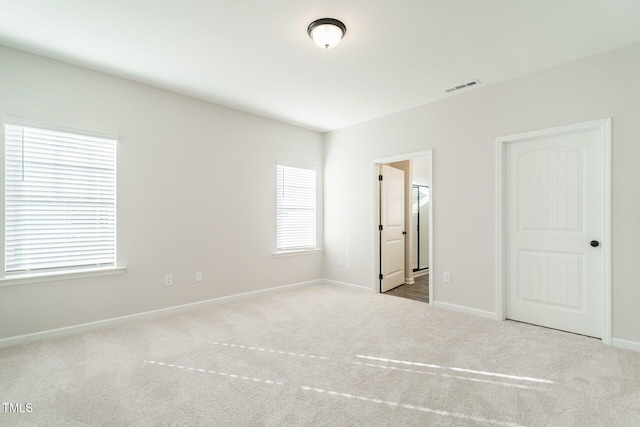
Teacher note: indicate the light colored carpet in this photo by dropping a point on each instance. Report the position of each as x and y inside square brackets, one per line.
[321, 355]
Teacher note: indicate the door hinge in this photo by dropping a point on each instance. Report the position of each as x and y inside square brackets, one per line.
[380, 227]
[379, 177]
[404, 233]
[380, 276]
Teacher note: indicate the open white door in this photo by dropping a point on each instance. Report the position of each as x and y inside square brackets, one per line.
[554, 230]
[392, 224]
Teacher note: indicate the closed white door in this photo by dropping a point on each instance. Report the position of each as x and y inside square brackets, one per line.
[554, 225]
[392, 233]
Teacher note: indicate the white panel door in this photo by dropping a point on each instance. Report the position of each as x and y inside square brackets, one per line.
[392, 234]
[554, 210]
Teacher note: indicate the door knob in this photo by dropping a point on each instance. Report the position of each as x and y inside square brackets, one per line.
[595, 243]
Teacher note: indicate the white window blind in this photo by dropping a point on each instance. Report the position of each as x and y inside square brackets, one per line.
[296, 212]
[60, 191]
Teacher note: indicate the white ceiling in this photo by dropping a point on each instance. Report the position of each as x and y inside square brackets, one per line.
[255, 55]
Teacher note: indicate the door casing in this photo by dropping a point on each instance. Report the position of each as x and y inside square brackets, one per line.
[604, 126]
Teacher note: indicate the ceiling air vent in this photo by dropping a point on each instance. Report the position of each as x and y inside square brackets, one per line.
[462, 86]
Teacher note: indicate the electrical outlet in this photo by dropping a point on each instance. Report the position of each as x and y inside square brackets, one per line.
[447, 277]
[168, 280]
[198, 276]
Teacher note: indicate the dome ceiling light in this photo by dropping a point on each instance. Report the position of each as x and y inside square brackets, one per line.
[326, 33]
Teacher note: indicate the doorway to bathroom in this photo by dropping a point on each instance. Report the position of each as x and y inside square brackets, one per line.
[407, 254]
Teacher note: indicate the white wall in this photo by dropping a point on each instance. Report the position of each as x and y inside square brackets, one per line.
[196, 191]
[421, 172]
[461, 130]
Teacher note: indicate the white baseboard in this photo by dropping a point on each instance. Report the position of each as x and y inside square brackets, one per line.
[467, 310]
[346, 285]
[70, 330]
[626, 344]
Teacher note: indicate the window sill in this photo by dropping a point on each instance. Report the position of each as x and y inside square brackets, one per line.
[22, 279]
[296, 252]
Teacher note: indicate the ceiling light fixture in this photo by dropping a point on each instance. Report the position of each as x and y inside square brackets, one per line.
[326, 33]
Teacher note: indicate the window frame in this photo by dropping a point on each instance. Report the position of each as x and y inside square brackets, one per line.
[288, 251]
[46, 275]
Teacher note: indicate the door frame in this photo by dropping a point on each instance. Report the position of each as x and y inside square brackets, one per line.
[604, 126]
[375, 212]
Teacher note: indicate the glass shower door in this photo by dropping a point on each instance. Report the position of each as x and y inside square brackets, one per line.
[420, 224]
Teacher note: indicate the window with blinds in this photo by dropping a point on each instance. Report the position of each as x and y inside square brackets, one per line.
[60, 196]
[296, 208]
